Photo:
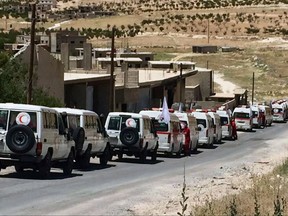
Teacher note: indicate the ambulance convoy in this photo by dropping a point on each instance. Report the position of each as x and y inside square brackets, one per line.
[243, 118]
[39, 137]
[280, 110]
[260, 116]
[225, 119]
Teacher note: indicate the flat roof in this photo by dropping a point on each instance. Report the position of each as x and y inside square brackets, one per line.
[222, 95]
[202, 69]
[71, 77]
[204, 46]
[134, 52]
[96, 49]
[240, 91]
[117, 52]
[169, 62]
[108, 59]
[146, 76]
[154, 75]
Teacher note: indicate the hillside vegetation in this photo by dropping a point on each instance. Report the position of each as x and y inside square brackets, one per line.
[219, 18]
[173, 26]
[168, 27]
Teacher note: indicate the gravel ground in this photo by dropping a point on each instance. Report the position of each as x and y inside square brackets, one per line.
[215, 181]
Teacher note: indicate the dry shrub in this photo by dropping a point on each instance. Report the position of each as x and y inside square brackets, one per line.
[267, 196]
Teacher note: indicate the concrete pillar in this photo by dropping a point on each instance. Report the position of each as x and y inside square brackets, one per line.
[53, 42]
[177, 93]
[124, 67]
[89, 97]
[108, 67]
[65, 54]
[87, 56]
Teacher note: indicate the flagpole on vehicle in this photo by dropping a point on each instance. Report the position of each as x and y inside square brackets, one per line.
[165, 115]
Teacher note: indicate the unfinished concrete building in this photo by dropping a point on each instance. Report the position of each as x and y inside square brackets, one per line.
[71, 37]
[135, 88]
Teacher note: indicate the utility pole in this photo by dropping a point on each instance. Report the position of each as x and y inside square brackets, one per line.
[6, 23]
[32, 48]
[112, 81]
[180, 84]
[213, 90]
[253, 80]
[208, 31]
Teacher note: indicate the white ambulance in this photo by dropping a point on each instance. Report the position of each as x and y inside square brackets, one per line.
[279, 111]
[266, 115]
[243, 118]
[170, 136]
[192, 124]
[34, 137]
[225, 119]
[256, 116]
[217, 127]
[131, 134]
[206, 130]
[95, 143]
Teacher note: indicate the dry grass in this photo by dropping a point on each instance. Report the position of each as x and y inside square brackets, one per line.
[262, 196]
[13, 23]
[267, 16]
[103, 21]
[217, 88]
[269, 66]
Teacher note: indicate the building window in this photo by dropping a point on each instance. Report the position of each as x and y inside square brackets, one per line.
[72, 42]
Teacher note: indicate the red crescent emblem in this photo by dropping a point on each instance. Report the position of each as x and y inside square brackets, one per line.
[20, 119]
[23, 118]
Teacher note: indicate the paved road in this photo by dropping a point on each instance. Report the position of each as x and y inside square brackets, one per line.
[103, 191]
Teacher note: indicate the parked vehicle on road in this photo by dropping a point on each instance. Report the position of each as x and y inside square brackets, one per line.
[256, 117]
[95, 143]
[34, 137]
[206, 129]
[265, 115]
[243, 118]
[217, 126]
[131, 134]
[279, 111]
[192, 124]
[225, 123]
[170, 136]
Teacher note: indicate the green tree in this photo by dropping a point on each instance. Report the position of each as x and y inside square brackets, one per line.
[13, 82]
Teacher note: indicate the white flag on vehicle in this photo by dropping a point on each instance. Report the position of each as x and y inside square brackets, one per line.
[180, 108]
[165, 115]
